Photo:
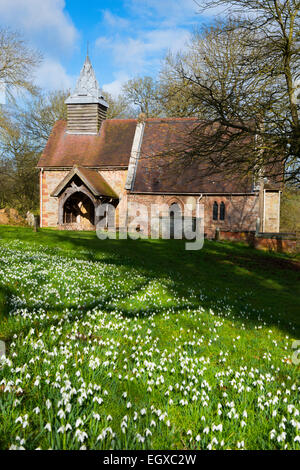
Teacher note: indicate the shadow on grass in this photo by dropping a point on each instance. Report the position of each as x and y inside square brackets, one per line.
[265, 285]
[5, 294]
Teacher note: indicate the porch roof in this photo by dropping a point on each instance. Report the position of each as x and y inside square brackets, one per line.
[91, 178]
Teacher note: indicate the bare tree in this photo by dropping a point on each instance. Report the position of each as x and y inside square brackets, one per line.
[174, 94]
[19, 186]
[17, 63]
[290, 211]
[39, 115]
[243, 73]
[119, 108]
[142, 93]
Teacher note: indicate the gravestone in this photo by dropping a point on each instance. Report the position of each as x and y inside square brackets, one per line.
[2, 348]
[30, 218]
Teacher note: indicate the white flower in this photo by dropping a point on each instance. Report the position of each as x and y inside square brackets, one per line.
[281, 437]
[68, 408]
[81, 436]
[78, 423]
[48, 404]
[217, 428]
[140, 438]
[61, 414]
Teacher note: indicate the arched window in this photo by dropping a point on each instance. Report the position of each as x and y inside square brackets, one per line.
[215, 211]
[222, 211]
[174, 210]
[175, 220]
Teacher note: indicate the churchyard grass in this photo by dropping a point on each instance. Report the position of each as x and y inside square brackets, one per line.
[125, 344]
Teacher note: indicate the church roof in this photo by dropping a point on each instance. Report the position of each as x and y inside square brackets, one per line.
[152, 173]
[111, 148]
[157, 174]
[87, 89]
[91, 178]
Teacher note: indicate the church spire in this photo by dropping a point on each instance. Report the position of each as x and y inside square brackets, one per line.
[86, 105]
[87, 89]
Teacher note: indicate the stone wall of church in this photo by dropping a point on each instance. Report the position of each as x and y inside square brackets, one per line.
[271, 211]
[116, 180]
[49, 205]
[241, 211]
[50, 179]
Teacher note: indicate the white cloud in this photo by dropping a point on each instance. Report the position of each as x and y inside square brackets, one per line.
[164, 7]
[103, 43]
[114, 21]
[115, 87]
[173, 39]
[135, 54]
[173, 12]
[45, 19]
[53, 76]
[136, 46]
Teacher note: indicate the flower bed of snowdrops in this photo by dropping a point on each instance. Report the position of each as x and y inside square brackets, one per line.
[103, 356]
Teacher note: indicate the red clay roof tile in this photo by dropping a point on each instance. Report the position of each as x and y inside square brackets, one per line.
[110, 148]
[156, 174]
[91, 178]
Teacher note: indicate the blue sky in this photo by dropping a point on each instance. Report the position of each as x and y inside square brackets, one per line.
[126, 37]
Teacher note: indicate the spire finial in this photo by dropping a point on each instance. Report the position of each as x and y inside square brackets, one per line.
[87, 88]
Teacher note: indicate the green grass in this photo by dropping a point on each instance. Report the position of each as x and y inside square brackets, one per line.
[195, 340]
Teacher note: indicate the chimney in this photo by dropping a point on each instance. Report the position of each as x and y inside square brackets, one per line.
[86, 106]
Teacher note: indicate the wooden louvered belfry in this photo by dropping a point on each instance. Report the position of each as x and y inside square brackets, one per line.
[87, 108]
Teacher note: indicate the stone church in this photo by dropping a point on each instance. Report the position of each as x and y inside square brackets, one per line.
[90, 160]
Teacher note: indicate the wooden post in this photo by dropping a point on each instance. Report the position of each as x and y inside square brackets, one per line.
[35, 223]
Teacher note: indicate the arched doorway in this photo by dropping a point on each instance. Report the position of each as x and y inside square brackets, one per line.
[79, 209]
